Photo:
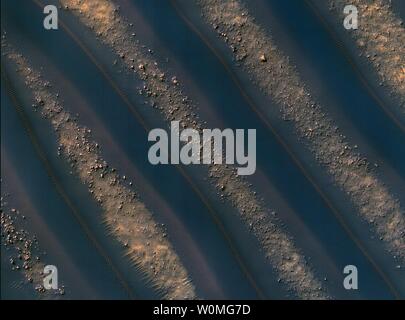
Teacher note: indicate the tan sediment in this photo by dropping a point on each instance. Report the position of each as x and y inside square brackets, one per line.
[165, 95]
[278, 246]
[23, 250]
[279, 80]
[126, 216]
[380, 38]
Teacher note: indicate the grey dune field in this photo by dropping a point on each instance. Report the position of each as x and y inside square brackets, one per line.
[79, 190]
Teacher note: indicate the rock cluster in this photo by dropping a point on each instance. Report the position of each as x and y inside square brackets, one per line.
[281, 82]
[103, 18]
[25, 255]
[381, 40]
[126, 216]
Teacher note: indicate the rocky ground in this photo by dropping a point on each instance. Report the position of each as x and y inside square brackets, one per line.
[126, 216]
[380, 38]
[23, 250]
[166, 95]
[271, 71]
